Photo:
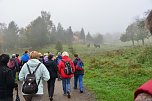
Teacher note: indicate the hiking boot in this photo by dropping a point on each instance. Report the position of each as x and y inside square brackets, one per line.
[68, 95]
[81, 91]
[64, 94]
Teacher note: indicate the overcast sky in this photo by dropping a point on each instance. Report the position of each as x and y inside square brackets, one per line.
[93, 15]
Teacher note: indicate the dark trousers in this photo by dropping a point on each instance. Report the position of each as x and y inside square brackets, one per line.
[8, 99]
[51, 85]
[33, 97]
[14, 73]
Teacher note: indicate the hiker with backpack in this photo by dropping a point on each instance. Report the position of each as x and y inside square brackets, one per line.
[7, 82]
[13, 65]
[66, 70]
[53, 70]
[32, 74]
[79, 72]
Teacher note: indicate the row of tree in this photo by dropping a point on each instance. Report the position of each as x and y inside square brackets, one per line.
[136, 31]
[40, 32]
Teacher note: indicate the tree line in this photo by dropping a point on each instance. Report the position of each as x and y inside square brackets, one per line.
[42, 31]
[136, 31]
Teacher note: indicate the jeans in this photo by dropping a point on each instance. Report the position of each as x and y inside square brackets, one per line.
[80, 78]
[51, 84]
[66, 85]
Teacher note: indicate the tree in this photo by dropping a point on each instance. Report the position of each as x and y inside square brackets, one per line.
[2, 32]
[60, 35]
[89, 38]
[52, 35]
[124, 37]
[11, 35]
[39, 30]
[82, 35]
[130, 31]
[69, 35]
[98, 39]
[142, 31]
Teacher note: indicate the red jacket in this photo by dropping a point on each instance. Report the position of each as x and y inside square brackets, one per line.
[145, 88]
[61, 67]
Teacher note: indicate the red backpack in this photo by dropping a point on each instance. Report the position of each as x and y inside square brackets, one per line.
[11, 64]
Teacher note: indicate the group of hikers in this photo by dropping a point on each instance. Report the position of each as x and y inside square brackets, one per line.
[33, 68]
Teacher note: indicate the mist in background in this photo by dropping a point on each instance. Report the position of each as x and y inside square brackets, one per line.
[104, 16]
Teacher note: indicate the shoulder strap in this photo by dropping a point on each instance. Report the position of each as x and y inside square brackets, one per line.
[62, 60]
[36, 68]
[28, 68]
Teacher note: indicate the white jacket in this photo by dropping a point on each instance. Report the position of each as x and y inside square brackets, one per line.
[41, 72]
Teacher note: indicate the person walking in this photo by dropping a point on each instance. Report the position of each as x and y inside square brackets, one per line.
[58, 59]
[79, 72]
[13, 65]
[66, 70]
[40, 72]
[25, 57]
[53, 70]
[7, 81]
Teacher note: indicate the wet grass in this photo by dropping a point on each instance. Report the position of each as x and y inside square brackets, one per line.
[114, 75]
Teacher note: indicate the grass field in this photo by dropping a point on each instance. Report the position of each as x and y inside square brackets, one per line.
[113, 72]
[114, 75]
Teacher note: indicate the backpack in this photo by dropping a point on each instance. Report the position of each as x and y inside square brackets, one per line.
[79, 65]
[11, 64]
[68, 68]
[30, 86]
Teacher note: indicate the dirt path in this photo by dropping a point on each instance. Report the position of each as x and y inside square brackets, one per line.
[58, 94]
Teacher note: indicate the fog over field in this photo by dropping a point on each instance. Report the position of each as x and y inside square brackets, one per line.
[104, 16]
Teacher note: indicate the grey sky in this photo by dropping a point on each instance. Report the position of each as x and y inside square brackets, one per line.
[93, 15]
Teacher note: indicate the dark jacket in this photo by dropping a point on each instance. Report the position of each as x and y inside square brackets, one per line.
[77, 72]
[52, 68]
[7, 82]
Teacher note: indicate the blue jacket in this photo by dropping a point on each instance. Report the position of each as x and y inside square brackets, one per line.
[25, 57]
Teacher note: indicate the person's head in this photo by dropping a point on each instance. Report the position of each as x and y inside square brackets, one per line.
[34, 55]
[65, 54]
[75, 55]
[26, 51]
[59, 53]
[51, 57]
[143, 97]
[13, 55]
[17, 55]
[4, 58]
[149, 22]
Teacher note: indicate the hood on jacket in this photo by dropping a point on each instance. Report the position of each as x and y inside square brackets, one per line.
[33, 63]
